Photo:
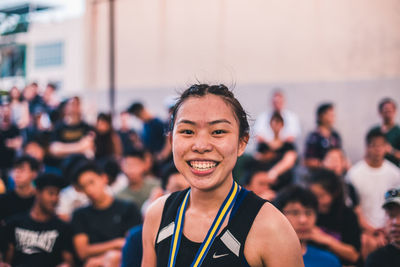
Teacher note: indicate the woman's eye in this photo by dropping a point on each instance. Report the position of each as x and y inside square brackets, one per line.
[186, 132]
[219, 132]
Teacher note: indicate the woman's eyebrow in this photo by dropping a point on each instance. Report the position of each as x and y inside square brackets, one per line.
[219, 121]
[210, 123]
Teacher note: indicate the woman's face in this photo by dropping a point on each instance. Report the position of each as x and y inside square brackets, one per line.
[205, 141]
[15, 93]
[103, 126]
[324, 198]
[276, 125]
[334, 161]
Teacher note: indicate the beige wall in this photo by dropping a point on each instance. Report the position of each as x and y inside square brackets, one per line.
[169, 43]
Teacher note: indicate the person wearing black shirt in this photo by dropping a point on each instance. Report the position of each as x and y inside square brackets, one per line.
[72, 135]
[323, 138]
[10, 141]
[153, 136]
[22, 197]
[389, 255]
[39, 238]
[338, 229]
[99, 229]
[277, 156]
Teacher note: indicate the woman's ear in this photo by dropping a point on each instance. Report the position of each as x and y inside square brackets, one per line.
[242, 144]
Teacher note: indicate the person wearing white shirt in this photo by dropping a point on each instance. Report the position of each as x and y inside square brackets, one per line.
[290, 132]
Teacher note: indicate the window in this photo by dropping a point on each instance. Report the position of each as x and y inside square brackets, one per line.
[49, 55]
[12, 60]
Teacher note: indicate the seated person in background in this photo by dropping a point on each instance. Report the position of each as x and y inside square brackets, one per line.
[372, 177]
[337, 225]
[10, 141]
[277, 155]
[72, 135]
[172, 181]
[153, 136]
[36, 148]
[70, 197]
[107, 141]
[291, 130]
[300, 207]
[389, 255]
[134, 166]
[22, 197]
[258, 182]
[99, 229]
[117, 181]
[38, 237]
[336, 161]
[323, 138]
[129, 138]
[387, 110]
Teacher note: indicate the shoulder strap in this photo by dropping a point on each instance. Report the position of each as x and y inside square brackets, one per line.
[246, 210]
[170, 209]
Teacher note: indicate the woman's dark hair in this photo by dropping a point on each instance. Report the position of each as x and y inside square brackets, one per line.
[296, 194]
[105, 117]
[330, 183]
[385, 101]
[321, 110]
[200, 90]
[83, 167]
[374, 133]
[277, 116]
[34, 165]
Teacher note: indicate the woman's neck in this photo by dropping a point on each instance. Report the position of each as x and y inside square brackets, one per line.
[210, 201]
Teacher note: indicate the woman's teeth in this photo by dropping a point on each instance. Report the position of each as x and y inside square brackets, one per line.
[203, 165]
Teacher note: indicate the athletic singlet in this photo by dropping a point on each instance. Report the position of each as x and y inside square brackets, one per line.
[227, 248]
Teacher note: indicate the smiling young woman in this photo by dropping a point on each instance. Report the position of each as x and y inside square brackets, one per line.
[215, 222]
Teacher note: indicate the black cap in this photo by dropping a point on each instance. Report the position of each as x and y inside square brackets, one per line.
[50, 179]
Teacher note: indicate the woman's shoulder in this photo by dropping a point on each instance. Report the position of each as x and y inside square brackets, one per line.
[272, 234]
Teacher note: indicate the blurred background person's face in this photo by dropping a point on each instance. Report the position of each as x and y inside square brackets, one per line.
[324, 198]
[334, 161]
[278, 102]
[388, 113]
[103, 126]
[48, 199]
[134, 168]
[328, 118]
[15, 94]
[393, 224]
[176, 182]
[276, 126]
[376, 150]
[72, 108]
[301, 218]
[23, 175]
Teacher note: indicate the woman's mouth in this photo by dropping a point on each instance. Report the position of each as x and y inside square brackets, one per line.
[202, 165]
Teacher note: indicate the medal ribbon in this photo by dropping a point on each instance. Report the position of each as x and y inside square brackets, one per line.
[212, 232]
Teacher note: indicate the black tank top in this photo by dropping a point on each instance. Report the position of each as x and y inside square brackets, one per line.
[227, 248]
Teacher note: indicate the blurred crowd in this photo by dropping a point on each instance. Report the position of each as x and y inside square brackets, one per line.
[75, 194]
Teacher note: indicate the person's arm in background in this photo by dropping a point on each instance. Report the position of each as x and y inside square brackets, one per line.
[311, 159]
[286, 163]
[86, 250]
[83, 146]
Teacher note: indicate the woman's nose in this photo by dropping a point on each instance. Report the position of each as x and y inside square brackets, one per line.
[201, 143]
